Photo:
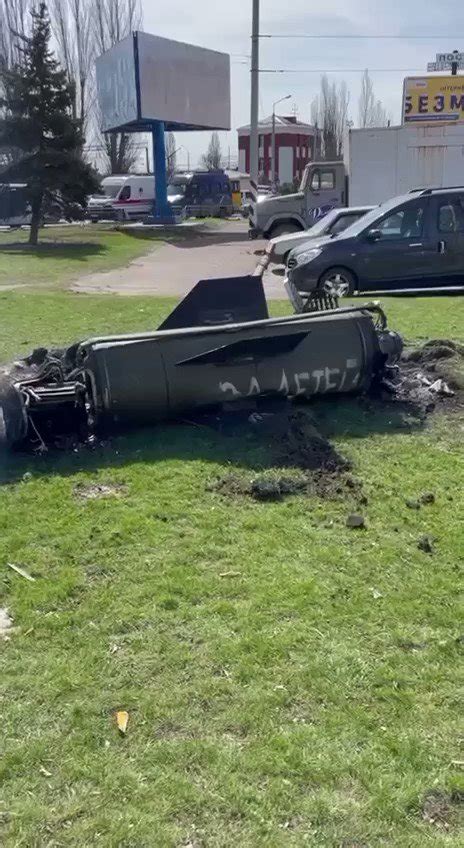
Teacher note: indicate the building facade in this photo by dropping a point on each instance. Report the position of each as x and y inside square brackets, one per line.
[296, 145]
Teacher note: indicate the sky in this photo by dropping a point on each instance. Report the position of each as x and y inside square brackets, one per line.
[225, 25]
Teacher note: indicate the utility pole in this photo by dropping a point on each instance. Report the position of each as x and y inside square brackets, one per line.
[254, 139]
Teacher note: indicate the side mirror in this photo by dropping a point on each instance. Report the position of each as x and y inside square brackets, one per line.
[374, 235]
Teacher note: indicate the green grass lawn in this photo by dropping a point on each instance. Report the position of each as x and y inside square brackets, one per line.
[65, 253]
[289, 682]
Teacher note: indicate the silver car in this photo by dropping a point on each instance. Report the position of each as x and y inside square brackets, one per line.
[331, 224]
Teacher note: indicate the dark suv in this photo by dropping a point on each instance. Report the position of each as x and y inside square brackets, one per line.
[410, 242]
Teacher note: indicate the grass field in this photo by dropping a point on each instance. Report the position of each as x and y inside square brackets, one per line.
[289, 682]
[65, 253]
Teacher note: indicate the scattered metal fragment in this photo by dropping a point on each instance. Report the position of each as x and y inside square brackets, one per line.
[20, 571]
[6, 622]
[122, 720]
[439, 387]
[356, 522]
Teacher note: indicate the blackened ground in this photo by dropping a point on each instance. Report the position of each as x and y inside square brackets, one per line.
[295, 443]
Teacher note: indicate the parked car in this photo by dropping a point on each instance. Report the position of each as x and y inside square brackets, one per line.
[201, 193]
[330, 225]
[15, 210]
[410, 242]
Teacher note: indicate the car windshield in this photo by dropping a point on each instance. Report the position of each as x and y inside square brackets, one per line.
[112, 189]
[320, 228]
[176, 188]
[367, 222]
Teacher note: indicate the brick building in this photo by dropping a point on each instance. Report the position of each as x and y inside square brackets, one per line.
[295, 147]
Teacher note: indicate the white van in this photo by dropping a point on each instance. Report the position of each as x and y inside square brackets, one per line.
[100, 206]
[135, 198]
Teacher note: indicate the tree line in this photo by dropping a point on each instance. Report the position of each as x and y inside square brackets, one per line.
[80, 31]
[330, 113]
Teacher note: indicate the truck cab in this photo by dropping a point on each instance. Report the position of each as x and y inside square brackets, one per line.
[322, 188]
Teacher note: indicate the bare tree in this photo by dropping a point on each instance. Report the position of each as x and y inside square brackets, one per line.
[212, 159]
[74, 33]
[371, 111]
[82, 30]
[112, 20]
[171, 155]
[15, 23]
[329, 112]
[14, 19]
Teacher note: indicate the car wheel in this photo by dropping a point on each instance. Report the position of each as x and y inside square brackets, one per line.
[338, 282]
[284, 229]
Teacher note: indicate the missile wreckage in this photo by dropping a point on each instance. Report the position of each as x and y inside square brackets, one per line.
[218, 346]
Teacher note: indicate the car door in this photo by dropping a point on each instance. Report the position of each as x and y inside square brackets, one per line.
[395, 252]
[448, 236]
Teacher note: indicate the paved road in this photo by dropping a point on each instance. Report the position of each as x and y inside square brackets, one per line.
[173, 269]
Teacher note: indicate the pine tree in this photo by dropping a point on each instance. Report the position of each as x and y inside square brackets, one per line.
[37, 122]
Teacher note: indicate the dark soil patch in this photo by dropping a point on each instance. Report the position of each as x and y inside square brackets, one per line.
[443, 809]
[425, 544]
[303, 446]
[274, 487]
[297, 444]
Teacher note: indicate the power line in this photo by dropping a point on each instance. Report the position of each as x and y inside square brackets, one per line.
[304, 35]
[342, 71]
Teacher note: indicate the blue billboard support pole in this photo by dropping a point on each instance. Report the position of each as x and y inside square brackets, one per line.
[162, 210]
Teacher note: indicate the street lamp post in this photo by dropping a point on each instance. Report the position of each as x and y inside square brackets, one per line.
[183, 147]
[274, 169]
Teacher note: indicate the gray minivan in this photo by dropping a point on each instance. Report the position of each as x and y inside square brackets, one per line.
[412, 241]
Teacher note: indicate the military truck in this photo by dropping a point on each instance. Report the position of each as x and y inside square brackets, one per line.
[322, 188]
[380, 163]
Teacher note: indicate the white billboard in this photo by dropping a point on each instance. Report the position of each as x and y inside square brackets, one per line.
[147, 78]
[183, 84]
[117, 94]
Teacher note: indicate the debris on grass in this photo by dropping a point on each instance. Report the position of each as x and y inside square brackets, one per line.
[425, 544]
[437, 367]
[94, 491]
[356, 521]
[20, 571]
[273, 487]
[122, 720]
[427, 498]
[6, 623]
[412, 504]
[406, 645]
[440, 808]
[45, 772]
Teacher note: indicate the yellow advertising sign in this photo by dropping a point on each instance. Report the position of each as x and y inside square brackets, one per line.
[433, 99]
